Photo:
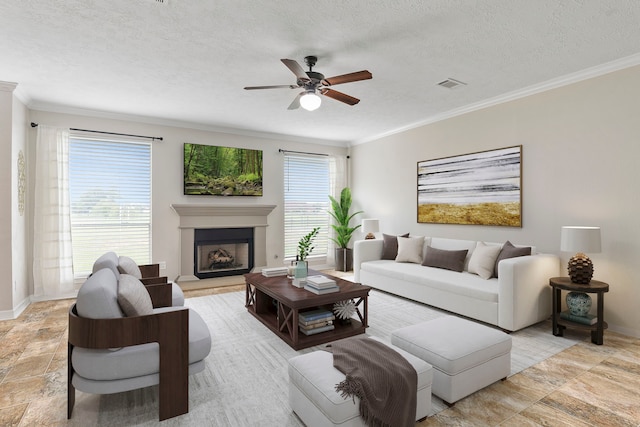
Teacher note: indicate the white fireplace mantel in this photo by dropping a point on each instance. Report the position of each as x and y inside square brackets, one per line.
[222, 210]
[199, 215]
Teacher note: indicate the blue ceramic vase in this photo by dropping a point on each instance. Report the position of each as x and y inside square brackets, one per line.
[578, 303]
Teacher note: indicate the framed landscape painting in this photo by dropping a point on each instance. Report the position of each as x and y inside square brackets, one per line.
[481, 188]
[211, 170]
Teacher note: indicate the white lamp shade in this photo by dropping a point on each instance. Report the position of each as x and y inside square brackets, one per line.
[310, 101]
[580, 239]
[370, 226]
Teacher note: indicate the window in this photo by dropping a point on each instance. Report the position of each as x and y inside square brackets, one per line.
[110, 198]
[306, 202]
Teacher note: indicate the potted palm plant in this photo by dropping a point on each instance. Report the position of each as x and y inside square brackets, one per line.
[343, 232]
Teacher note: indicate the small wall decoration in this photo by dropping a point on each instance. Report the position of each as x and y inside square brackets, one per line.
[481, 188]
[22, 182]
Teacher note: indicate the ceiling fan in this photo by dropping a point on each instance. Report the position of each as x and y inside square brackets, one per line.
[315, 83]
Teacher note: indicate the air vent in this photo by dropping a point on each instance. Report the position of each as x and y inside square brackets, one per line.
[451, 83]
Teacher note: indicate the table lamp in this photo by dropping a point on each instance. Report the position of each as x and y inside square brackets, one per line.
[369, 227]
[580, 239]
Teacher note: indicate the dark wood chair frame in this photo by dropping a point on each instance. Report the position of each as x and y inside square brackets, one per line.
[169, 329]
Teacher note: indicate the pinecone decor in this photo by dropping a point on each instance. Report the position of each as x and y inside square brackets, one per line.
[580, 269]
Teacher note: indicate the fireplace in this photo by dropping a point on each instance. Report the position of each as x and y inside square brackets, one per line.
[197, 216]
[221, 252]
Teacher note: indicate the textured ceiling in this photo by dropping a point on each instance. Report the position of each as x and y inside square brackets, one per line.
[187, 61]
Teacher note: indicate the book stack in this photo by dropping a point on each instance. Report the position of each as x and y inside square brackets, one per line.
[321, 285]
[589, 319]
[315, 321]
[275, 271]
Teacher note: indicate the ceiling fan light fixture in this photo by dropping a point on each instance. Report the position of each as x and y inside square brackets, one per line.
[310, 101]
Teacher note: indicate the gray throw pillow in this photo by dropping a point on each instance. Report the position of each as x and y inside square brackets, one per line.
[128, 266]
[449, 260]
[390, 246]
[98, 296]
[510, 251]
[133, 298]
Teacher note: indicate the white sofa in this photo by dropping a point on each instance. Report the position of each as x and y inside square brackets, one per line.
[520, 296]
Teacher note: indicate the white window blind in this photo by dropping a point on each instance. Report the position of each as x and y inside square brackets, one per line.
[110, 197]
[306, 202]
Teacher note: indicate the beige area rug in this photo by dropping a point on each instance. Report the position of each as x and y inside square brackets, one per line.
[245, 381]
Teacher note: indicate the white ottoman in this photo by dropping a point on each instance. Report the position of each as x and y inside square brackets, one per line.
[313, 397]
[466, 356]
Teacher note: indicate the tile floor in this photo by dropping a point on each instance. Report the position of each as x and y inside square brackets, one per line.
[585, 385]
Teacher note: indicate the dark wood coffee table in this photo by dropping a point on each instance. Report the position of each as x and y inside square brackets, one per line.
[276, 303]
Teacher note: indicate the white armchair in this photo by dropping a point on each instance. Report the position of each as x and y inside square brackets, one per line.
[110, 351]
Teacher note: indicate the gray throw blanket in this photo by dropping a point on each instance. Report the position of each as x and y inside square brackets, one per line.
[381, 378]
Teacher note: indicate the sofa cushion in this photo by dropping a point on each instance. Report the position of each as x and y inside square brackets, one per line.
[107, 260]
[127, 265]
[390, 245]
[410, 249]
[483, 260]
[449, 260]
[138, 360]
[133, 297]
[510, 251]
[466, 284]
[98, 296]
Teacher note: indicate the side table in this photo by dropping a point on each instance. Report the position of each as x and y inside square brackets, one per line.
[560, 284]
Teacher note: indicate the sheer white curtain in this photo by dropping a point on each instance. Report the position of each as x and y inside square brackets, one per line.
[337, 181]
[52, 250]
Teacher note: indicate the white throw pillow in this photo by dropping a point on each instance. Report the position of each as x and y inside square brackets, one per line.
[483, 260]
[133, 297]
[410, 249]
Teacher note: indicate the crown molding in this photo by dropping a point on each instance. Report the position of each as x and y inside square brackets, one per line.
[7, 86]
[589, 73]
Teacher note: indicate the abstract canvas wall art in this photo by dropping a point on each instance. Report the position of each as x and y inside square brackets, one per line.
[481, 188]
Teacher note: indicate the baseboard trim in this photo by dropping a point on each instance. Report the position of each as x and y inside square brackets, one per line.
[17, 310]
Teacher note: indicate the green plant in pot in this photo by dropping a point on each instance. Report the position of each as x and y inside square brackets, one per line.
[342, 218]
[305, 247]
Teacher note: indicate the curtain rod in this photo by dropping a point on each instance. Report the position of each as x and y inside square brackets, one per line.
[153, 138]
[301, 152]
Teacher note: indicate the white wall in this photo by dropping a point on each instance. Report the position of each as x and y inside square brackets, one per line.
[167, 170]
[19, 232]
[6, 106]
[14, 289]
[581, 153]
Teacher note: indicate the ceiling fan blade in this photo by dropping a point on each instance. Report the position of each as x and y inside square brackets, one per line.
[339, 96]
[346, 78]
[295, 69]
[295, 104]
[272, 87]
